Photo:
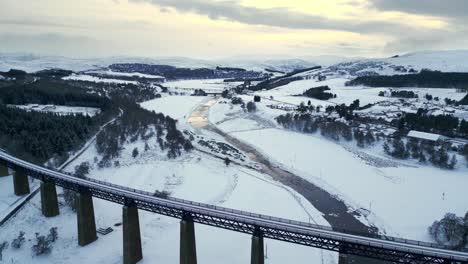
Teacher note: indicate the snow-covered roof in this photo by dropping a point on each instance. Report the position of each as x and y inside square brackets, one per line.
[424, 135]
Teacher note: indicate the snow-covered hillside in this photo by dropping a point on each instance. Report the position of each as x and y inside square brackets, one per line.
[446, 61]
[32, 63]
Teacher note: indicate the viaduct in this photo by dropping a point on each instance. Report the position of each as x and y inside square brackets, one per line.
[390, 249]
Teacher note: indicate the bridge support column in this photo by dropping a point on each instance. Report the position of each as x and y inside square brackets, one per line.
[188, 252]
[3, 169]
[49, 201]
[132, 252]
[86, 222]
[343, 258]
[257, 250]
[20, 182]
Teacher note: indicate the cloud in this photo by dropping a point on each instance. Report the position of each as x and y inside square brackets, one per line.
[441, 8]
[51, 43]
[35, 23]
[435, 40]
[276, 17]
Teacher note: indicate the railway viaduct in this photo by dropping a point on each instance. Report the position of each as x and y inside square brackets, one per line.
[259, 226]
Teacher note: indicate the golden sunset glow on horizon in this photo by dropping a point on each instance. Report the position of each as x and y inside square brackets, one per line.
[204, 28]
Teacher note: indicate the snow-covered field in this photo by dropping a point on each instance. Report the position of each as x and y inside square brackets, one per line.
[60, 109]
[347, 94]
[398, 197]
[126, 74]
[7, 196]
[195, 176]
[89, 78]
[208, 85]
[403, 200]
[177, 107]
[447, 61]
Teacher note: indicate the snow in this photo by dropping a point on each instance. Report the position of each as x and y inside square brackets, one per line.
[401, 199]
[345, 94]
[60, 109]
[447, 61]
[34, 62]
[7, 196]
[424, 135]
[194, 176]
[89, 78]
[177, 107]
[127, 74]
[397, 196]
[208, 85]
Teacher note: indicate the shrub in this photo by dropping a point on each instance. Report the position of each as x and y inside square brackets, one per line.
[19, 241]
[251, 107]
[236, 101]
[450, 231]
[42, 246]
[53, 235]
[3, 246]
[135, 152]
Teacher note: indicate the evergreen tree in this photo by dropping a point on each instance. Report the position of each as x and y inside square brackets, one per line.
[399, 150]
[135, 152]
[422, 157]
[386, 148]
[453, 162]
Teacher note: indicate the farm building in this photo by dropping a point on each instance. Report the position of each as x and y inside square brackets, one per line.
[425, 136]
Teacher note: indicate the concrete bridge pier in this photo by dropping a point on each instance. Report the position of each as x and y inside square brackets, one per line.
[20, 182]
[49, 201]
[257, 250]
[132, 252]
[188, 252]
[86, 222]
[3, 169]
[343, 258]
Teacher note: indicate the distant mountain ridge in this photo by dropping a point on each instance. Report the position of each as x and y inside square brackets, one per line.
[32, 63]
[447, 61]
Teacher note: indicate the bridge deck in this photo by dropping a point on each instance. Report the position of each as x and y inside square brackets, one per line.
[385, 248]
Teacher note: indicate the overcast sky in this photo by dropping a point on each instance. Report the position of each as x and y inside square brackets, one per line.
[228, 28]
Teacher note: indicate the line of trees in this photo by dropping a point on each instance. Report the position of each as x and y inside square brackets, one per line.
[319, 93]
[401, 93]
[421, 151]
[37, 137]
[51, 91]
[332, 129]
[426, 78]
[447, 125]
